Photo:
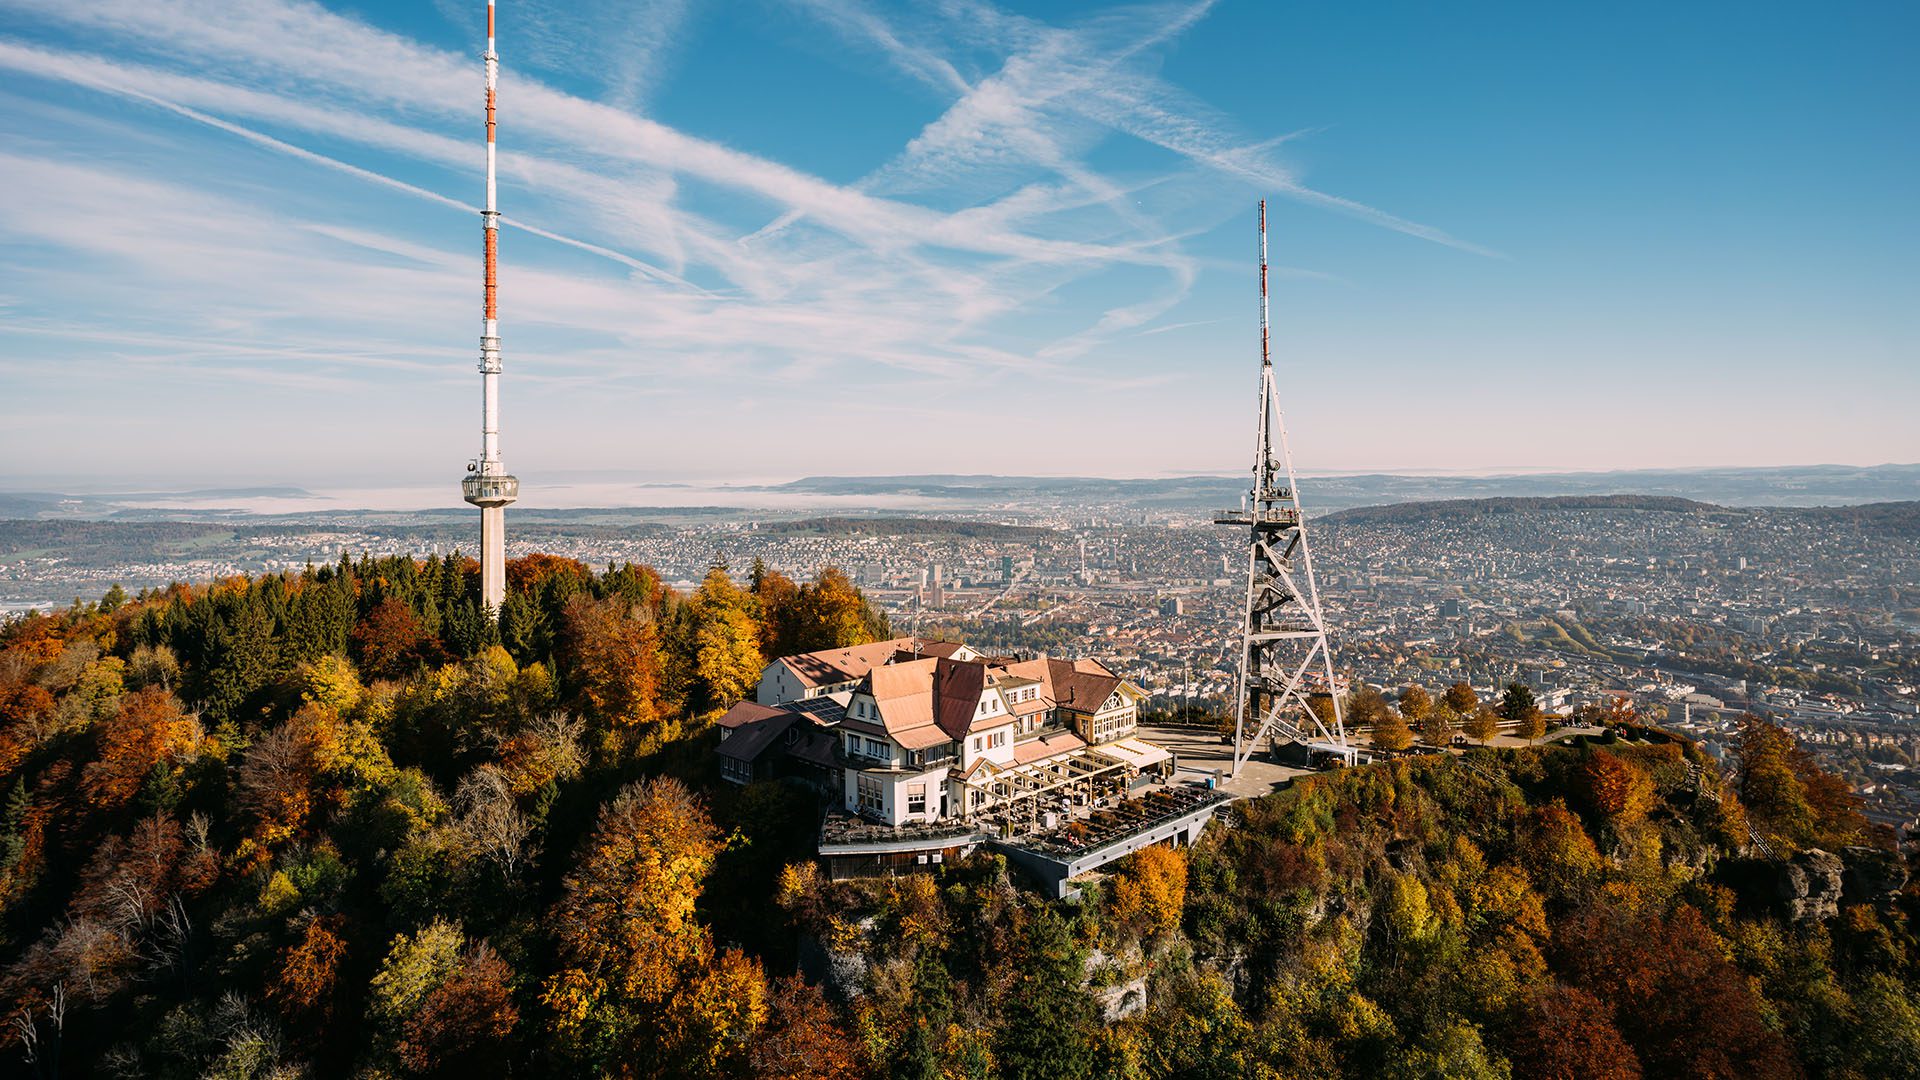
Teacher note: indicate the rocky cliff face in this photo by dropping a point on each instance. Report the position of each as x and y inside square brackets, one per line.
[1809, 885]
[1873, 876]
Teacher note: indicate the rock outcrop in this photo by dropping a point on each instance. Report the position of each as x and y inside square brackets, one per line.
[1873, 876]
[1809, 885]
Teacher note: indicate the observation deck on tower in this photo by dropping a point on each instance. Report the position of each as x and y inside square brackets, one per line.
[1278, 516]
[489, 489]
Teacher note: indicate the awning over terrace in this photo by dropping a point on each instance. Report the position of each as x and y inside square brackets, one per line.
[1138, 754]
[1086, 771]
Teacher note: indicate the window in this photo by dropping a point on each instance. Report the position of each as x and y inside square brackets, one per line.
[916, 798]
[872, 795]
[877, 749]
[976, 744]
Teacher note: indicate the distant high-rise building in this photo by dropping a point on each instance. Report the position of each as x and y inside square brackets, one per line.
[1006, 568]
[936, 595]
[1172, 608]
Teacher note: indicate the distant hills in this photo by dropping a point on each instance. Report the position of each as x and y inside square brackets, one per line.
[922, 528]
[1888, 518]
[1804, 485]
[1463, 508]
[935, 494]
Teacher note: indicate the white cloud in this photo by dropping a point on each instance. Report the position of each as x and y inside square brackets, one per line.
[943, 268]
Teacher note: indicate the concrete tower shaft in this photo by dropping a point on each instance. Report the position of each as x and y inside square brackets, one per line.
[488, 485]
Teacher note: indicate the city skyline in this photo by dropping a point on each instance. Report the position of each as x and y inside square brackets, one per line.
[994, 242]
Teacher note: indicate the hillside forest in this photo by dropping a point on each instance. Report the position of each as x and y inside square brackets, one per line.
[340, 823]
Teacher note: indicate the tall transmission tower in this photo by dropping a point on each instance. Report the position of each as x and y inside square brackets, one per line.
[1284, 656]
[488, 485]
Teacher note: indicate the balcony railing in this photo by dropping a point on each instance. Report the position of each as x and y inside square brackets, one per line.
[1277, 516]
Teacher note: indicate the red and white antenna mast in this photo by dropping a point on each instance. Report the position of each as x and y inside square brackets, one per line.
[488, 484]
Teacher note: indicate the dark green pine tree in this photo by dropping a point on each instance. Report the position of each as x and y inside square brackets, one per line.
[242, 658]
[1054, 1038]
[13, 826]
[522, 630]
[450, 596]
[319, 619]
[150, 628]
[918, 1056]
[629, 583]
[466, 630]
[1517, 703]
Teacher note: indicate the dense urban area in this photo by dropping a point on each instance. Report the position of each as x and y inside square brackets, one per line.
[1695, 612]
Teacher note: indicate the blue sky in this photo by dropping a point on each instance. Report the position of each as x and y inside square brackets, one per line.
[770, 238]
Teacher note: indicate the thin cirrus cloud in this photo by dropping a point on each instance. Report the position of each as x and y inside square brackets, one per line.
[938, 265]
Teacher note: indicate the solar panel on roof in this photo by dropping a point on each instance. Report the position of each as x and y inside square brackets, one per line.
[823, 709]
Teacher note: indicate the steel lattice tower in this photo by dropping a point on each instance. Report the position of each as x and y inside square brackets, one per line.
[1284, 654]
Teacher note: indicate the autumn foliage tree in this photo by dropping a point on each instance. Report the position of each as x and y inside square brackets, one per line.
[309, 969]
[148, 730]
[1482, 725]
[829, 613]
[715, 646]
[1415, 703]
[1786, 794]
[634, 958]
[1390, 731]
[461, 1026]
[1461, 698]
[1682, 1005]
[390, 641]
[1150, 893]
[1564, 1033]
[1614, 788]
[1436, 727]
[803, 1039]
[613, 652]
[276, 780]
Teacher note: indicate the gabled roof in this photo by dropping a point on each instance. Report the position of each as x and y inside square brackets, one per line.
[940, 649]
[828, 667]
[904, 695]
[1040, 671]
[747, 712]
[752, 739]
[957, 687]
[817, 747]
[1082, 685]
[979, 765]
